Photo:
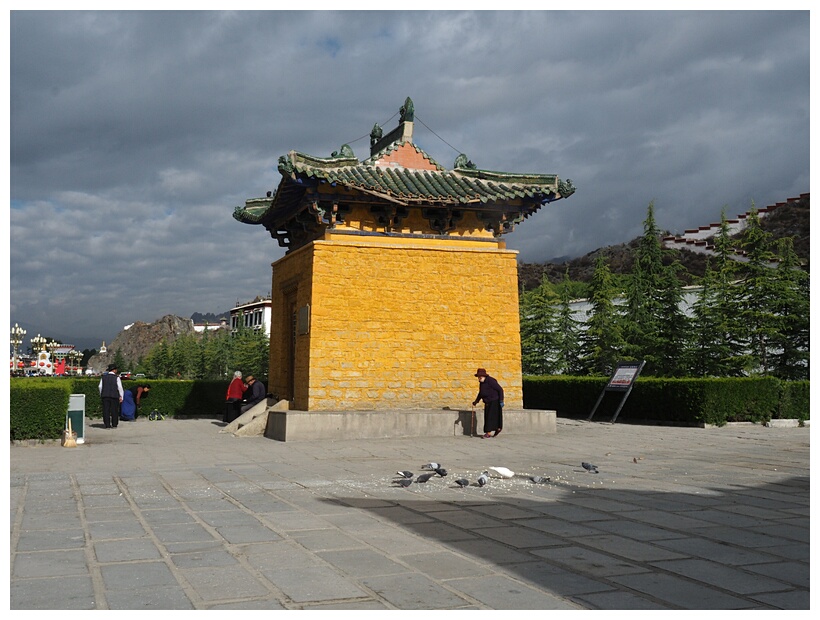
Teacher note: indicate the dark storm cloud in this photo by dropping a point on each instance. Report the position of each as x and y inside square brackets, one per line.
[133, 135]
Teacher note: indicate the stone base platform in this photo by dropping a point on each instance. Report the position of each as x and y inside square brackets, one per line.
[313, 425]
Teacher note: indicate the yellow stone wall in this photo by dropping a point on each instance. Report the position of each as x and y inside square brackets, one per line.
[291, 288]
[398, 323]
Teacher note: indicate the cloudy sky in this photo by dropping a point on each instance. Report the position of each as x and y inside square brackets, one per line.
[134, 135]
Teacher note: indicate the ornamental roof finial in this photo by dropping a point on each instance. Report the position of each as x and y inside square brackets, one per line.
[406, 111]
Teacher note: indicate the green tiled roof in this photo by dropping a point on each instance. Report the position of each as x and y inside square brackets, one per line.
[458, 187]
[464, 187]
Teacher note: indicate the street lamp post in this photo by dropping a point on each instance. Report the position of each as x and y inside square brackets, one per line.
[17, 334]
[38, 345]
[76, 358]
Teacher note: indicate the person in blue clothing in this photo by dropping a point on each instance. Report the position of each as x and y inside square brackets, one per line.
[493, 396]
[131, 401]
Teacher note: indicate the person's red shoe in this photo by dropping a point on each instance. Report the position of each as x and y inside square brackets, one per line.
[486, 436]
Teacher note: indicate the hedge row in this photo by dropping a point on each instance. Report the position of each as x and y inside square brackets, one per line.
[683, 401]
[38, 406]
[39, 410]
[171, 397]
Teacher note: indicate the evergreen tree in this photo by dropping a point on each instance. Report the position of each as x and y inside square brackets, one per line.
[672, 324]
[214, 354]
[176, 358]
[790, 356]
[642, 310]
[537, 309]
[603, 342]
[119, 360]
[704, 348]
[758, 297]
[158, 361]
[568, 328]
[186, 357]
[250, 352]
[730, 345]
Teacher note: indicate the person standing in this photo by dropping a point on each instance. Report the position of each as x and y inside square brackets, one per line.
[257, 389]
[233, 399]
[493, 396]
[111, 395]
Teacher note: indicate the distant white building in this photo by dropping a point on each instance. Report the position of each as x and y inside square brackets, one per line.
[201, 327]
[254, 314]
[582, 307]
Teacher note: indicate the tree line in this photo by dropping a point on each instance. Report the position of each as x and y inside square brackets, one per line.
[749, 318]
[213, 355]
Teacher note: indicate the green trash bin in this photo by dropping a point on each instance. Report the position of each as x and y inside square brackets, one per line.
[76, 413]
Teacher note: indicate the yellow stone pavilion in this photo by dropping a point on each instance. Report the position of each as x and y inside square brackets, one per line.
[396, 284]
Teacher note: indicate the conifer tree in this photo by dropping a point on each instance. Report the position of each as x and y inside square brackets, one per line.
[538, 309]
[790, 356]
[158, 361]
[119, 360]
[568, 328]
[729, 345]
[704, 347]
[644, 308]
[215, 354]
[249, 352]
[673, 325]
[758, 296]
[603, 342]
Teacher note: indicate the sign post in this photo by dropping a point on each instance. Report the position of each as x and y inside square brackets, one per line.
[621, 380]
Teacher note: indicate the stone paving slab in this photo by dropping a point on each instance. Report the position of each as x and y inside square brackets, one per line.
[678, 518]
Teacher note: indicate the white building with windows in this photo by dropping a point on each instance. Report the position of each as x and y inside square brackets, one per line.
[254, 314]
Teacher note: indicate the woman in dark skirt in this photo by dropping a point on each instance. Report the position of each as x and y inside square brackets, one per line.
[493, 396]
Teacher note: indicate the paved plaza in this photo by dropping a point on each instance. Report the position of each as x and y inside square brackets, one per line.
[176, 515]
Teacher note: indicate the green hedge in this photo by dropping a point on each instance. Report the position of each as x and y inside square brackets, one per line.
[39, 410]
[794, 401]
[170, 397]
[686, 401]
[38, 406]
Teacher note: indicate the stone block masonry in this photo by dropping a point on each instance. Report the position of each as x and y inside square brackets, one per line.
[403, 325]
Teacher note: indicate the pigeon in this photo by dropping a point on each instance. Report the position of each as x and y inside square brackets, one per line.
[483, 478]
[634, 460]
[405, 474]
[539, 479]
[431, 466]
[593, 469]
[405, 482]
[502, 472]
[463, 482]
[424, 477]
[441, 471]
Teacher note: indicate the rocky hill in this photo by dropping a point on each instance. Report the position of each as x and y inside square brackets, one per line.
[791, 220]
[135, 342]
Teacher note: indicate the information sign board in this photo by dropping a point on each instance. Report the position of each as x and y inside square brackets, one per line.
[621, 380]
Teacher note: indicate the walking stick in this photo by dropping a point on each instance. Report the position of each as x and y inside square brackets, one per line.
[472, 421]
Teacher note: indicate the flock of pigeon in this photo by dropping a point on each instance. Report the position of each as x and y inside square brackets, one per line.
[405, 478]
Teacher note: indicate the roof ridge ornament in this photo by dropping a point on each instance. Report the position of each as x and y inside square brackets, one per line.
[406, 112]
[376, 134]
[566, 189]
[285, 165]
[463, 162]
[345, 151]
